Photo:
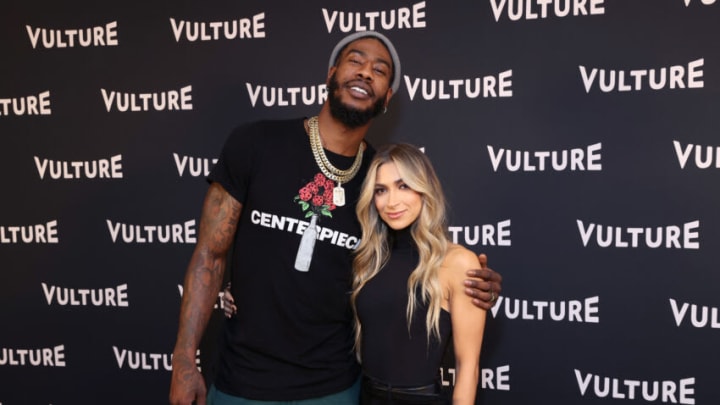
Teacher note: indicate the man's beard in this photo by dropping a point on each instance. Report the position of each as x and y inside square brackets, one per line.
[351, 117]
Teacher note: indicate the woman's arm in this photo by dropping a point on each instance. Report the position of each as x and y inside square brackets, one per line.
[468, 326]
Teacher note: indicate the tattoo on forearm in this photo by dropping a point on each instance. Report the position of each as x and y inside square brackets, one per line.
[218, 223]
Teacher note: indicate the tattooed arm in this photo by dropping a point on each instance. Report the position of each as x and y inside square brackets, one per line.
[204, 276]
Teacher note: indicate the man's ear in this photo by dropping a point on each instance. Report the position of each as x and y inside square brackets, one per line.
[388, 96]
[331, 71]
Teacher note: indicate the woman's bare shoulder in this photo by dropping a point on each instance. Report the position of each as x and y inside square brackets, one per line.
[460, 259]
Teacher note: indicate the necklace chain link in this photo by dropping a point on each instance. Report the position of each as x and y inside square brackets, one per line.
[327, 168]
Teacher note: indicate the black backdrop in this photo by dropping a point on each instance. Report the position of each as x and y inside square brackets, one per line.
[585, 165]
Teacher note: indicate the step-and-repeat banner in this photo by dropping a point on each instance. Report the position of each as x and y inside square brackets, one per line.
[578, 142]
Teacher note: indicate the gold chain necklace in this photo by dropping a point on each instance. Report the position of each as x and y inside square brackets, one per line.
[327, 168]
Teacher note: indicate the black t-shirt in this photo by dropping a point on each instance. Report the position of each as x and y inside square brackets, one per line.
[292, 337]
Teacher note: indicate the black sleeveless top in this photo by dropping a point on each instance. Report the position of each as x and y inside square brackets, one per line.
[391, 353]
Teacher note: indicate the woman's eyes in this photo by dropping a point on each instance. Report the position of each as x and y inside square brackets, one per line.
[401, 186]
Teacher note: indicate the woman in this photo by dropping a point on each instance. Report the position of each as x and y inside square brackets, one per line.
[407, 286]
[408, 292]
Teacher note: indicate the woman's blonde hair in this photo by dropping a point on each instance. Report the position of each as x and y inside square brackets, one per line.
[428, 231]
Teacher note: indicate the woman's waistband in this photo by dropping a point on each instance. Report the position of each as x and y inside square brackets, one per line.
[381, 388]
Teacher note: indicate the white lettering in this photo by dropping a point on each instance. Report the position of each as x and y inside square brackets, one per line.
[94, 169]
[485, 235]
[493, 379]
[144, 361]
[700, 316]
[704, 2]
[283, 97]
[172, 233]
[516, 10]
[293, 225]
[571, 311]
[671, 237]
[55, 38]
[454, 89]
[673, 77]
[196, 167]
[705, 156]
[28, 105]
[109, 297]
[40, 233]
[242, 28]
[44, 357]
[172, 100]
[681, 392]
[578, 159]
[385, 20]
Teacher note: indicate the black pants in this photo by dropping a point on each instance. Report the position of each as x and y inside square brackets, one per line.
[373, 392]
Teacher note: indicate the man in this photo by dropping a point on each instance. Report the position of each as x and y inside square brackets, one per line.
[291, 338]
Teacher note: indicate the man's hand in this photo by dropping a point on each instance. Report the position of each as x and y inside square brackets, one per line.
[228, 301]
[187, 386]
[485, 285]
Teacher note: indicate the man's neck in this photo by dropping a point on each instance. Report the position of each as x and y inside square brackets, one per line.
[338, 138]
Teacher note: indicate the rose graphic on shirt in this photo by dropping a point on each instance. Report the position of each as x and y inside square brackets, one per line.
[316, 197]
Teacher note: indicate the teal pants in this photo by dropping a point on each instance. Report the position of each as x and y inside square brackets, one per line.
[350, 396]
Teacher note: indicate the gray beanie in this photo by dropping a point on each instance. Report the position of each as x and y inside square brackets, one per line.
[395, 85]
